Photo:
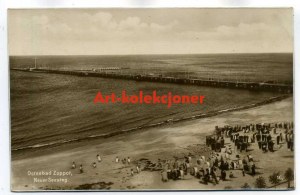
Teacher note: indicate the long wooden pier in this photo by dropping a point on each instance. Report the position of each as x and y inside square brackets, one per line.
[284, 88]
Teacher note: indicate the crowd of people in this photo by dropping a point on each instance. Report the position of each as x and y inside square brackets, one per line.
[265, 135]
[229, 153]
[225, 158]
[217, 166]
[125, 161]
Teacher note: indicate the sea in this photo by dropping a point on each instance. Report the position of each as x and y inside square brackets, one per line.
[53, 109]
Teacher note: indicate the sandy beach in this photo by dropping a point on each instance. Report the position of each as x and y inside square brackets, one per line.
[164, 142]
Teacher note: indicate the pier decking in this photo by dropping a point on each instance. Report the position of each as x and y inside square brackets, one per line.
[258, 86]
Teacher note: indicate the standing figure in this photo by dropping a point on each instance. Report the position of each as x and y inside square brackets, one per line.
[128, 160]
[164, 176]
[131, 172]
[73, 165]
[81, 168]
[99, 158]
[253, 169]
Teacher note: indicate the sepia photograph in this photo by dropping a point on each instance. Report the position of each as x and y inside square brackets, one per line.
[151, 99]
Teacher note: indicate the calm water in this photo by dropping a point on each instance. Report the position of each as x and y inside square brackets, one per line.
[49, 108]
[251, 67]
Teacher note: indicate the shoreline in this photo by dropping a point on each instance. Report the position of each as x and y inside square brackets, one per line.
[159, 124]
[165, 142]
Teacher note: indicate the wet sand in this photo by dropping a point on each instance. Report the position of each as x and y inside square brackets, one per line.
[159, 142]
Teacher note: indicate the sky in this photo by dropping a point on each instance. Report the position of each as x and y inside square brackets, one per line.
[149, 31]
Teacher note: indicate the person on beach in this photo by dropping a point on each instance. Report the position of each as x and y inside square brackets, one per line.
[223, 175]
[189, 158]
[73, 165]
[264, 147]
[278, 139]
[138, 169]
[181, 173]
[131, 172]
[94, 165]
[253, 169]
[117, 159]
[99, 158]
[164, 176]
[250, 158]
[128, 160]
[81, 169]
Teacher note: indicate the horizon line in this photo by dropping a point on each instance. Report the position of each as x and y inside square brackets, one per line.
[154, 54]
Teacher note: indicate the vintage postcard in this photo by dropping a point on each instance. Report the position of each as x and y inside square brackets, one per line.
[151, 99]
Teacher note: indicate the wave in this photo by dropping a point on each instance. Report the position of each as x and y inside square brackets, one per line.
[168, 121]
